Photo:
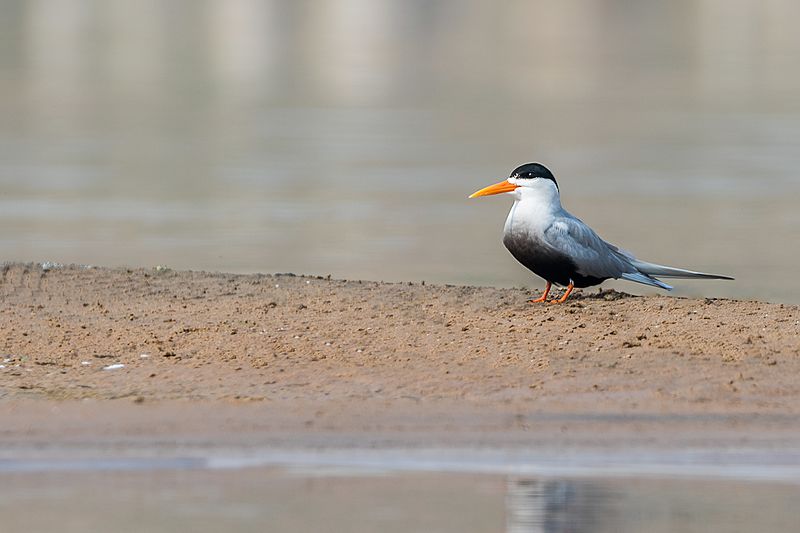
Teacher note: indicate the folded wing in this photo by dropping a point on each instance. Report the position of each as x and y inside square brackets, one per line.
[592, 255]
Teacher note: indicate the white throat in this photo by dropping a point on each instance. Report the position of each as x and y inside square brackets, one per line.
[536, 203]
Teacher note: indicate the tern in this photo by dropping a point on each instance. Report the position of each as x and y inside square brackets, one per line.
[561, 248]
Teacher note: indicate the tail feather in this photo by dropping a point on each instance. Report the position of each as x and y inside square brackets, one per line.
[638, 277]
[651, 269]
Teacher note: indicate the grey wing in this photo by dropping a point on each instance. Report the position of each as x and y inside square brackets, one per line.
[592, 255]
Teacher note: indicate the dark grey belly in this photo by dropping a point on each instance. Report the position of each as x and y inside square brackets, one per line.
[547, 262]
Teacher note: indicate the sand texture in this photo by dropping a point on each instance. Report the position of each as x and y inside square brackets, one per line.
[286, 338]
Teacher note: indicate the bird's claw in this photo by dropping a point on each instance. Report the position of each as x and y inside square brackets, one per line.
[563, 296]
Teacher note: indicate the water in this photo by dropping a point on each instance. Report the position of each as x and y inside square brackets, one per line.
[343, 137]
[343, 493]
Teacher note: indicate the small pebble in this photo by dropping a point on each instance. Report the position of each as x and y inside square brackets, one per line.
[86, 363]
[49, 265]
[144, 355]
[113, 367]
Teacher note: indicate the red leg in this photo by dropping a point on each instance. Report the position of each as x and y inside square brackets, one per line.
[543, 297]
[566, 295]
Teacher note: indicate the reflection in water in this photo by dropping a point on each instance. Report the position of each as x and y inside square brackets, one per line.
[648, 504]
[343, 136]
[116, 498]
[554, 506]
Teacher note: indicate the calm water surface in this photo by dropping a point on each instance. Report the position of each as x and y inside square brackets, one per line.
[343, 137]
[294, 500]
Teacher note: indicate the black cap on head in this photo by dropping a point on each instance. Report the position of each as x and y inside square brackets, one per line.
[533, 170]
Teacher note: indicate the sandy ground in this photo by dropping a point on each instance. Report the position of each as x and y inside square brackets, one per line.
[209, 355]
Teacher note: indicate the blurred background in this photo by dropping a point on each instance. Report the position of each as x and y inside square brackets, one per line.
[343, 137]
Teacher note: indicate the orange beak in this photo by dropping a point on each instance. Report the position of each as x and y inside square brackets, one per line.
[497, 188]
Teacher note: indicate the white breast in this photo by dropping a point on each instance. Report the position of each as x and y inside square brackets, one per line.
[534, 210]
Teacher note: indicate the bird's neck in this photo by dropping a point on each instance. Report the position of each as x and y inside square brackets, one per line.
[533, 211]
[541, 199]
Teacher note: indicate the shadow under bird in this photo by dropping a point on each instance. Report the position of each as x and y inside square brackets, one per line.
[559, 247]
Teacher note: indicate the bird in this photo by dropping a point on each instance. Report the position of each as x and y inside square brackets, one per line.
[559, 247]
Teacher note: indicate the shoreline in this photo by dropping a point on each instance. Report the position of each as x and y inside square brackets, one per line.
[294, 359]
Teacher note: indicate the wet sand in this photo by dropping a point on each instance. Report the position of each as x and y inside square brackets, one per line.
[289, 360]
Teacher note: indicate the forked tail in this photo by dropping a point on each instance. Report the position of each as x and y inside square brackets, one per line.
[661, 271]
